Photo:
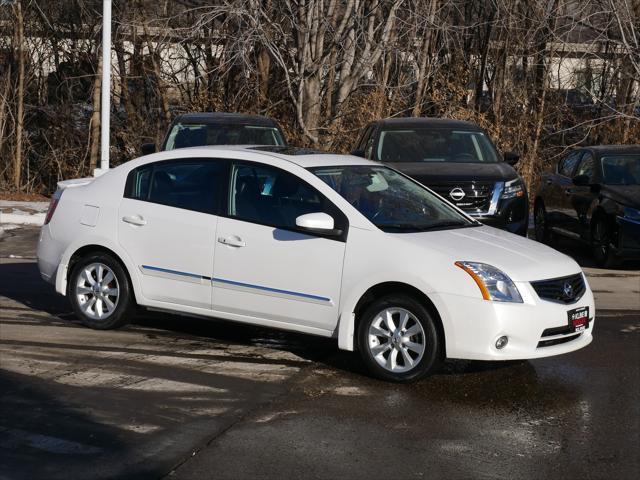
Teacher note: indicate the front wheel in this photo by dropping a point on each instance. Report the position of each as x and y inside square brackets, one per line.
[601, 238]
[99, 291]
[398, 339]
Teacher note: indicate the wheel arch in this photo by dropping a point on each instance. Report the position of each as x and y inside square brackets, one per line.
[606, 212]
[347, 329]
[76, 252]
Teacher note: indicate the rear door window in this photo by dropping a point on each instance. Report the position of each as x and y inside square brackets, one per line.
[364, 138]
[568, 165]
[191, 184]
[587, 166]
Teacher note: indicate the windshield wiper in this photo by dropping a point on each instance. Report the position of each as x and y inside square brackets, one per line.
[440, 225]
[398, 227]
[403, 227]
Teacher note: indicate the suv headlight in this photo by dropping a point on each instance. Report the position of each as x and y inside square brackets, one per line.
[513, 188]
[493, 283]
[632, 214]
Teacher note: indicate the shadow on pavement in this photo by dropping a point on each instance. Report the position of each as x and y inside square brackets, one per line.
[36, 424]
[21, 282]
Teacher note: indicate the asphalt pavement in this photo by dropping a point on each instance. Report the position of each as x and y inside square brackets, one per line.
[175, 397]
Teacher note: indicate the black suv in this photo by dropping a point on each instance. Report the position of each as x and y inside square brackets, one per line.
[219, 128]
[457, 160]
[594, 196]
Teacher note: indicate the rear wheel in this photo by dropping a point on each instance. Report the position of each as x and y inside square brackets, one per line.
[99, 291]
[601, 243]
[398, 339]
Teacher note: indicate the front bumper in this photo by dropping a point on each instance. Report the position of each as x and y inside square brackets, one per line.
[534, 328]
[512, 215]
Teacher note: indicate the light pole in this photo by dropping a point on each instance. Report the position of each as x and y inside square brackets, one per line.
[105, 104]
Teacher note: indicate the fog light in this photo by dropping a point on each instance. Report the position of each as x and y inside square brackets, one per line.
[501, 342]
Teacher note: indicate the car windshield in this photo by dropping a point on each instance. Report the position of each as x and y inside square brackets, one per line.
[621, 170]
[197, 135]
[435, 145]
[391, 201]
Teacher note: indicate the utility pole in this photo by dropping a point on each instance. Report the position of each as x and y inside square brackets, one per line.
[105, 105]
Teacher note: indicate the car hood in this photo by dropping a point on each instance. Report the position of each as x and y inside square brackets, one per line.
[435, 172]
[520, 258]
[628, 195]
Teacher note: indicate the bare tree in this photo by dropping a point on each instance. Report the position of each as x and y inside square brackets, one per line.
[323, 68]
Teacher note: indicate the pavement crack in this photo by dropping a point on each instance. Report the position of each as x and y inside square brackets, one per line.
[251, 412]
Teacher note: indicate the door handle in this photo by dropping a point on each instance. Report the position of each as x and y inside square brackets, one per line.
[549, 182]
[232, 241]
[134, 220]
[568, 191]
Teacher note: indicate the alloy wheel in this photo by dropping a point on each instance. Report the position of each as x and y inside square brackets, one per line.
[396, 340]
[97, 291]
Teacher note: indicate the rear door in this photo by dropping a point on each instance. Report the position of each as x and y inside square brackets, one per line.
[167, 224]
[556, 193]
[582, 198]
[265, 269]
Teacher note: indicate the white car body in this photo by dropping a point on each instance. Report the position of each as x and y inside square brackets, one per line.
[214, 266]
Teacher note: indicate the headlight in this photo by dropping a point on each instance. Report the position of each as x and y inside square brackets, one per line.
[632, 214]
[512, 189]
[493, 283]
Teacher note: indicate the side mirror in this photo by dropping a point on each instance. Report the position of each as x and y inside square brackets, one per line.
[511, 158]
[358, 153]
[317, 222]
[581, 180]
[148, 148]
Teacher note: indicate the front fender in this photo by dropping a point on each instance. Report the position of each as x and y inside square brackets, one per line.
[347, 320]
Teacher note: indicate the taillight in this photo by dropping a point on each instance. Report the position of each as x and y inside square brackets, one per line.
[55, 199]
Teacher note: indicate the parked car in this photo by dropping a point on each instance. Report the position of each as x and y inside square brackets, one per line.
[324, 244]
[457, 160]
[593, 196]
[219, 128]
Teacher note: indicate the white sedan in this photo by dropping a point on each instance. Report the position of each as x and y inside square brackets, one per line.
[324, 244]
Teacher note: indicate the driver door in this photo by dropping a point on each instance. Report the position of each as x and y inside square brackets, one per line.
[265, 267]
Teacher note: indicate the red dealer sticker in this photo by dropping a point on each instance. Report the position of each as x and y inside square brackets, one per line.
[578, 318]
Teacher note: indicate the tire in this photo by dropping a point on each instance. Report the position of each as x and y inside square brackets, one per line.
[601, 243]
[390, 363]
[104, 307]
[541, 224]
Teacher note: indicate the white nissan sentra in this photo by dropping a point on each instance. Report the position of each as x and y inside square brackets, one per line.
[324, 244]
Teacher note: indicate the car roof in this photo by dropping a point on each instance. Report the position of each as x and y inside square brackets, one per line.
[227, 118]
[303, 157]
[417, 122]
[601, 150]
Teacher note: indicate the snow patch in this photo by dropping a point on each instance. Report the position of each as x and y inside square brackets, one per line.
[22, 213]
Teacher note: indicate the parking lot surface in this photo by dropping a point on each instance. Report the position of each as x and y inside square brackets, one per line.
[177, 397]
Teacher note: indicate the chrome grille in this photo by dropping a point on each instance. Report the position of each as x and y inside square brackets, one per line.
[477, 195]
[562, 290]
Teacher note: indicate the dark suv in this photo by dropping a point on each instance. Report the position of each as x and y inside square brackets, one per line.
[594, 196]
[219, 128]
[457, 160]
